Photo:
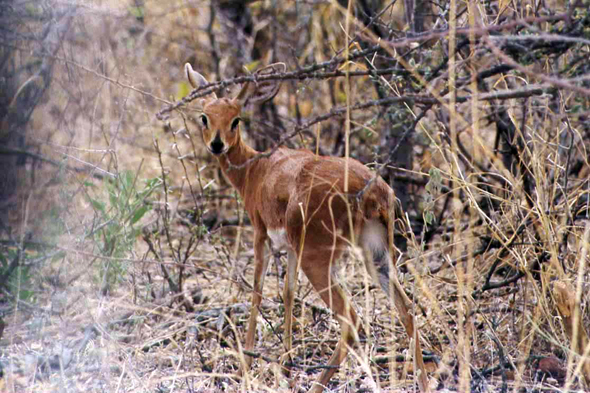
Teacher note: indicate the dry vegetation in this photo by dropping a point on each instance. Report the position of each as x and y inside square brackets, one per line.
[126, 259]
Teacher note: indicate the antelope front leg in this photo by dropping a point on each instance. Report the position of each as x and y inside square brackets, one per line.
[260, 268]
[289, 297]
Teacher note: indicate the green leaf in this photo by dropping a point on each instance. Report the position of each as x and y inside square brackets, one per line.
[3, 260]
[98, 205]
[113, 198]
[429, 218]
[137, 12]
[250, 67]
[183, 90]
[128, 179]
[26, 295]
[139, 214]
[435, 175]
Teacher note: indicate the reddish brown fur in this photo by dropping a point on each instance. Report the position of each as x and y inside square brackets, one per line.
[302, 194]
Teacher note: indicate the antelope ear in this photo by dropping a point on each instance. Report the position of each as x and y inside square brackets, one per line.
[262, 91]
[195, 79]
[242, 97]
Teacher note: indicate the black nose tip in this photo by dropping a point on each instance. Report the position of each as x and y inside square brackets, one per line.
[216, 145]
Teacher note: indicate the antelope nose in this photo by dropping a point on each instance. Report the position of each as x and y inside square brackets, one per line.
[216, 145]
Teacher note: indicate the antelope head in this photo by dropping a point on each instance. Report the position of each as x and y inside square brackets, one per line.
[220, 118]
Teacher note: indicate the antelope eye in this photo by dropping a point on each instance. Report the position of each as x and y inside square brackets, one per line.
[234, 124]
[204, 120]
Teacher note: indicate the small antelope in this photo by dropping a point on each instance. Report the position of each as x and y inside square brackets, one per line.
[298, 200]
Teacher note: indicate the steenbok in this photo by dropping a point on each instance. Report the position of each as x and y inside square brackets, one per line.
[300, 202]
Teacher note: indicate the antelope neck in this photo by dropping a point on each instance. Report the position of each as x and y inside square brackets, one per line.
[236, 156]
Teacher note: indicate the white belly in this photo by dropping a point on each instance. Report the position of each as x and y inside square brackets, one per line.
[279, 240]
